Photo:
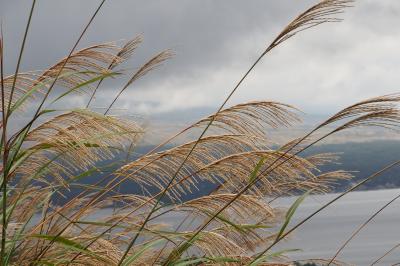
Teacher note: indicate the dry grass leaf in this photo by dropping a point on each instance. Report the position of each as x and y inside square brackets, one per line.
[250, 237]
[72, 142]
[233, 172]
[27, 201]
[126, 51]
[157, 169]
[82, 65]
[153, 63]
[246, 209]
[110, 253]
[251, 118]
[377, 111]
[323, 158]
[323, 12]
[102, 252]
[75, 141]
[213, 244]
[24, 84]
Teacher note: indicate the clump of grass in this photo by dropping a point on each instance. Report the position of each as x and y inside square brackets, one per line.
[234, 224]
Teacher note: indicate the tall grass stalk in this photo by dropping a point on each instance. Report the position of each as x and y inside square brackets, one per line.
[38, 109]
[3, 139]
[35, 116]
[160, 197]
[294, 27]
[44, 161]
[5, 117]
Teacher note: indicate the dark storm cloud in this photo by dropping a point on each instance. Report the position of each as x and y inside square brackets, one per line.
[201, 32]
[215, 41]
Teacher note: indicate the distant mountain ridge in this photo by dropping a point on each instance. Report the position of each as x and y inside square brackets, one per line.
[363, 159]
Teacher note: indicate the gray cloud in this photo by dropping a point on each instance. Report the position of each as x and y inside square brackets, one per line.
[215, 41]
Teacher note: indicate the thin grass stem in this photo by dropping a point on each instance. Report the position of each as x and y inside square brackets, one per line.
[20, 56]
[386, 254]
[5, 115]
[190, 152]
[325, 206]
[356, 232]
[3, 140]
[54, 82]
[287, 33]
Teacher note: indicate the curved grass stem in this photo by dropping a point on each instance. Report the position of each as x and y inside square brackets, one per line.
[54, 82]
[325, 206]
[386, 254]
[188, 155]
[361, 227]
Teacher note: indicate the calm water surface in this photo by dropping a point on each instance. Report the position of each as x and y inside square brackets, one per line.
[323, 235]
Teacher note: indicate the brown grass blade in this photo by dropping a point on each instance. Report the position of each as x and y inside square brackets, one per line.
[153, 63]
[77, 139]
[124, 54]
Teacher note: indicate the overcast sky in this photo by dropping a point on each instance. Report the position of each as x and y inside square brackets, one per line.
[319, 71]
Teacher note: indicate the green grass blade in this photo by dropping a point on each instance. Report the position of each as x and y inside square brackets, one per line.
[253, 174]
[39, 85]
[136, 255]
[290, 212]
[70, 245]
[83, 84]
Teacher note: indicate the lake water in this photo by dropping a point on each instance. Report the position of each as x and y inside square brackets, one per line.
[322, 236]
